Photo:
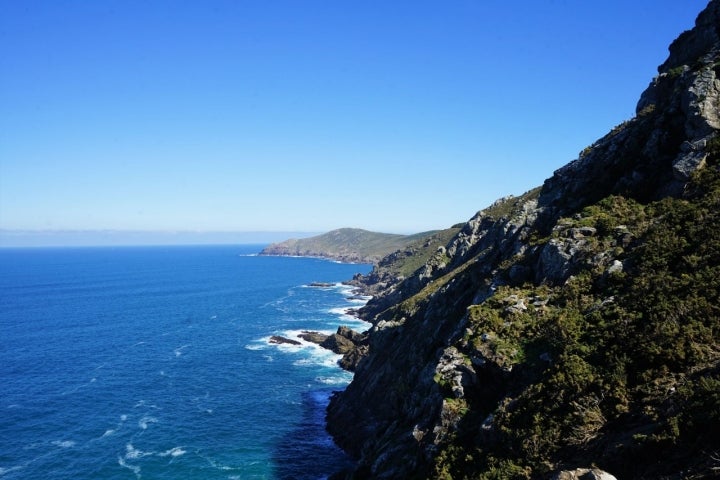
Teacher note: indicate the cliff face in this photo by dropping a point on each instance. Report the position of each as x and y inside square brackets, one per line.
[575, 325]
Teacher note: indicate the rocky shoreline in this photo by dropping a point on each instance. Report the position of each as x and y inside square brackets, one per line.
[349, 343]
[352, 345]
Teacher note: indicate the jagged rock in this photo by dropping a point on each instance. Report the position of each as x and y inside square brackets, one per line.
[583, 474]
[454, 371]
[277, 339]
[352, 335]
[338, 344]
[556, 259]
[616, 267]
[352, 358]
[314, 337]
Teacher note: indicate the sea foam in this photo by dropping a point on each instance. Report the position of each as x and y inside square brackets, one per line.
[173, 452]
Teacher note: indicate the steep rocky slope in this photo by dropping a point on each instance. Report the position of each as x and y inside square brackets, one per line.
[574, 326]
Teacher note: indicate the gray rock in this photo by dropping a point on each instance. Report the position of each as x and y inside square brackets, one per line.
[279, 340]
[314, 337]
[338, 344]
[583, 474]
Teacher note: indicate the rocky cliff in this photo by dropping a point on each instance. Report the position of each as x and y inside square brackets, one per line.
[574, 326]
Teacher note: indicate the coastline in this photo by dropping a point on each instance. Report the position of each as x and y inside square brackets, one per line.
[345, 341]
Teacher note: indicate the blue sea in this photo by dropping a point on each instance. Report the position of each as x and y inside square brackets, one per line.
[154, 362]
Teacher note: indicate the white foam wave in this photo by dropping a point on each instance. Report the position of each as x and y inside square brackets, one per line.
[132, 452]
[76, 389]
[180, 350]
[64, 443]
[108, 432]
[145, 421]
[173, 452]
[4, 470]
[335, 380]
[329, 360]
[123, 417]
[134, 468]
[255, 346]
[342, 311]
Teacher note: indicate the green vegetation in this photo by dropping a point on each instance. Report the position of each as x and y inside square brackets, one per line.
[346, 244]
[416, 254]
[504, 208]
[613, 369]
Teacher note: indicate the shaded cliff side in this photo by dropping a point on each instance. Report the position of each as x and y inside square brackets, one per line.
[576, 325]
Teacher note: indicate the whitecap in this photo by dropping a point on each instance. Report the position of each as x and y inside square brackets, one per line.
[145, 421]
[132, 453]
[179, 350]
[64, 443]
[4, 470]
[173, 452]
[255, 346]
[334, 380]
[123, 417]
[341, 311]
[213, 317]
[108, 432]
[134, 468]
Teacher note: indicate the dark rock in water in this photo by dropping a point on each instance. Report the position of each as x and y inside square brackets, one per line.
[338, 344]
[314, 337]
[277, 339]
[322, 284]
[346, 341]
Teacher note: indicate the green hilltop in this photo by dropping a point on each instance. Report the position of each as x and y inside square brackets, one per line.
[352, 245]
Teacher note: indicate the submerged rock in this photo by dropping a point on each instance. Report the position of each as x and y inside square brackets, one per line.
[277, 339]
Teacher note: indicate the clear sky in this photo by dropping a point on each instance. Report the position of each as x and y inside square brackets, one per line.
[307, 115]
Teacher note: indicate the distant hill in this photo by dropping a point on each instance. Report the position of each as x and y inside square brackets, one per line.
[346, 245]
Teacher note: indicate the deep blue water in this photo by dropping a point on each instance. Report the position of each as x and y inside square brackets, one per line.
[153, 362]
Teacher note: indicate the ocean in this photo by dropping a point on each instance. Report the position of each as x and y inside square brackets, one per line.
[154, 362]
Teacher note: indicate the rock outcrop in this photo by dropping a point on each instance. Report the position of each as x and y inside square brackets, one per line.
[573, 325]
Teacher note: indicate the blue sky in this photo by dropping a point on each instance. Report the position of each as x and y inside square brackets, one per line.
[226, 116]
